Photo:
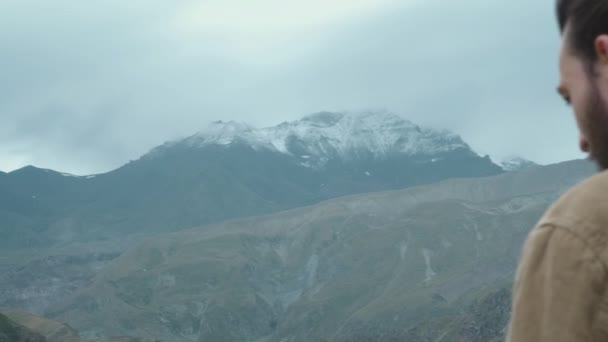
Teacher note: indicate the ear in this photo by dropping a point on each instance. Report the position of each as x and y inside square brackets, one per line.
[601, 49]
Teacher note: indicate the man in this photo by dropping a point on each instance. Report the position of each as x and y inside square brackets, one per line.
[561, 287]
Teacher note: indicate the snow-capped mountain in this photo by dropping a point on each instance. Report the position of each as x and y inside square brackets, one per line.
[233, 170]
[321, 137]
[515, 163]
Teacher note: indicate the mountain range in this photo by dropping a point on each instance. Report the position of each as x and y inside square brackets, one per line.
[370, 267]
[231, 170]
[335, 227]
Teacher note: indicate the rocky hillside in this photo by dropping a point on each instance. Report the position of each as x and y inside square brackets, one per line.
[11, 331]
[331, 228]
[421, 264]
[45, 330]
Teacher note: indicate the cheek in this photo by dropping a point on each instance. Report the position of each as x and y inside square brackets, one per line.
[580, 105]
[581, 117]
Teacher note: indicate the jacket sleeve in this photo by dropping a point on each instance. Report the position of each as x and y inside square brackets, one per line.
[558, 288]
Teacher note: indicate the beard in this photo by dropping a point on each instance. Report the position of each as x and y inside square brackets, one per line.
[596, 130]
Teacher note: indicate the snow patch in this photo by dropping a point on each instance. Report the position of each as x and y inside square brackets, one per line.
[226, 133]
[516, 163]
[321, 137]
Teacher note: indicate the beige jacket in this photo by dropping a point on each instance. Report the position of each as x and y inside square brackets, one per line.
[560, 288]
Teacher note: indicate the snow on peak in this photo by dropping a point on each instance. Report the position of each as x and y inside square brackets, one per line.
[516, 163]
[344, 135]
[223, 133]
[326, 135]
[226, 133]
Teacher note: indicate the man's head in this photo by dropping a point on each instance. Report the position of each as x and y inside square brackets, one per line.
[584, 71]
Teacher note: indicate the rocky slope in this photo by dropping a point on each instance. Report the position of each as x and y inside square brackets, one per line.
[46, 330]
[59, 230]
[428, 263]
[391, 266]
[11, 331]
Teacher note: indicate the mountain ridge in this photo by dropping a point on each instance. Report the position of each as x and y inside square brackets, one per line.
[516, 163]
[323, 136]
[188, 183]
[396, 263]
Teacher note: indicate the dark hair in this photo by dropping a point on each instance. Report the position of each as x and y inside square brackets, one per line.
[587, 19]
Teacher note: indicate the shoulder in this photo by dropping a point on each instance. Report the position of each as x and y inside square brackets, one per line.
[583, 212]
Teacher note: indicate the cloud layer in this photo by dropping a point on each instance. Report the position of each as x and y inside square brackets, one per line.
[86, 87]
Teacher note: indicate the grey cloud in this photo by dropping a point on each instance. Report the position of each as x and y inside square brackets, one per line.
[485, 69]
[86, 87]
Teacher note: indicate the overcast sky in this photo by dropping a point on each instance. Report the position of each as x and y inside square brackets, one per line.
[87, 86]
